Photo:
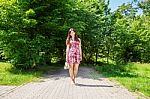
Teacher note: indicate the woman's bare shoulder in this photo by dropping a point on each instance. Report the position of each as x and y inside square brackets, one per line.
[79, 39]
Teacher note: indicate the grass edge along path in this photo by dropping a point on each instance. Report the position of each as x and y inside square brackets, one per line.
[134, 76]
[10, 76]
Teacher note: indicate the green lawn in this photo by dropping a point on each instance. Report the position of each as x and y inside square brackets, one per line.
[10, 76]
[134, 76]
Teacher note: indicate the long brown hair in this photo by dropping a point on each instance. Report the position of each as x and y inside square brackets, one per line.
[69, 36]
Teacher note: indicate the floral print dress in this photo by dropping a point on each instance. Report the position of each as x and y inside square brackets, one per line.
[74, 52]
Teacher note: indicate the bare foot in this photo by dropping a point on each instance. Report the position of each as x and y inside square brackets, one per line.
[73, 81]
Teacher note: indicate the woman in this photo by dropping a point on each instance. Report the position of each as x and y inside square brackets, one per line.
[73, 53]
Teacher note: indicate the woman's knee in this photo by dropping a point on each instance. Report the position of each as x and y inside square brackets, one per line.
[76, 66]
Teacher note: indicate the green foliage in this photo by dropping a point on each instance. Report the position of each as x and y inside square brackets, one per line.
[29, 28]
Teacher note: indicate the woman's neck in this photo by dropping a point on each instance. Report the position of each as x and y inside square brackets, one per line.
[73, 38]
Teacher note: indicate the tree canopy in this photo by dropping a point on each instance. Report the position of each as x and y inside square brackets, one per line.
[33, 32]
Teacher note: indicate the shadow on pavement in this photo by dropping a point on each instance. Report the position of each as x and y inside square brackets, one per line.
[85, 85]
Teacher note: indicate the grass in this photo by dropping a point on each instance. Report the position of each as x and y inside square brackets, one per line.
[11, 76]
[134, 76]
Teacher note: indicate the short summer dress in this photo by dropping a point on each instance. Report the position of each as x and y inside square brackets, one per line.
[74, 53]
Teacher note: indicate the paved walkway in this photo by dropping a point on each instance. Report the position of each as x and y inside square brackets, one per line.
[90, 85]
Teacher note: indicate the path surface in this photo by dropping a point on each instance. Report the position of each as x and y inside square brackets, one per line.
[90, 85]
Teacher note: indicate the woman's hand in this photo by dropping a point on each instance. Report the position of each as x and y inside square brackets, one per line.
[80, 58]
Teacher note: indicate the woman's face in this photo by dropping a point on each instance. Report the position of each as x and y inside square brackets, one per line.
[72, 33]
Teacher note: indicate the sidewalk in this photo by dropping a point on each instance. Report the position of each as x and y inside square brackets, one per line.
[90, 85]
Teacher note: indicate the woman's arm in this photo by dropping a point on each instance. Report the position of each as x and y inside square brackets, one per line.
[80, 50]
[67, 52]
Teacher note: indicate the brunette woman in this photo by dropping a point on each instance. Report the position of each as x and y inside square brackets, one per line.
[73, 53]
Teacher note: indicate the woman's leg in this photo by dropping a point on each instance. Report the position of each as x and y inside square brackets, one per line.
[75, 71]
[71, 72]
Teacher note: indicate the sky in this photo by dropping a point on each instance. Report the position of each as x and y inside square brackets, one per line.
[115, 3]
